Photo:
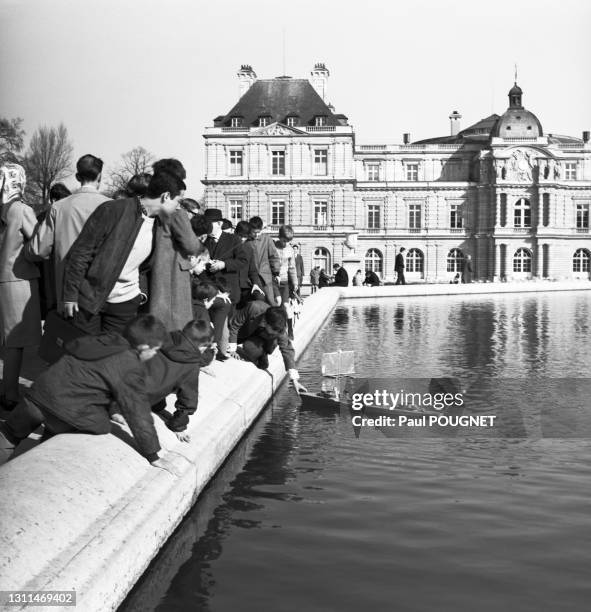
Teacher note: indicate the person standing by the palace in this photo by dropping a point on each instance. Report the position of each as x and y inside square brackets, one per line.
[400, 266]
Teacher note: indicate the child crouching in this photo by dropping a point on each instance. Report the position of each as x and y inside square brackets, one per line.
[74, 394]
[175, 369]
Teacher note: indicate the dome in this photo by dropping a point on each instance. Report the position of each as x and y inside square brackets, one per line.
[518, 123]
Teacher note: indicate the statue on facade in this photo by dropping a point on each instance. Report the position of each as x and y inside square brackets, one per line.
[557, 170]
[521, 166]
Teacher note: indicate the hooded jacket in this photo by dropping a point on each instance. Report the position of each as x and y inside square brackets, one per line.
[175, 369]
[96, 370]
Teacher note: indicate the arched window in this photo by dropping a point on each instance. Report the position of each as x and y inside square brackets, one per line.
[522, 261]
[374, 261]
[455, 261]
[415, 261]
[522, 213]
[322, 259]
[582, 260]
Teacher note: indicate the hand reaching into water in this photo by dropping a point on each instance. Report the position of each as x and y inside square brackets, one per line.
[299, 388]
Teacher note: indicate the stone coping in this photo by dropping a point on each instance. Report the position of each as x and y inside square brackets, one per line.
[88, 513]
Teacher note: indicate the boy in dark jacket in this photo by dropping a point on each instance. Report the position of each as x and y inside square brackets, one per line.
[74, 394]
[262, 328]
[175, 369]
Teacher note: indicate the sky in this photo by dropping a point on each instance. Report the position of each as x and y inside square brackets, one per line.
[127, 73]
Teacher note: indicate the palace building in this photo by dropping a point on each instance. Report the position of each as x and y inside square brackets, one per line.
[513, 198]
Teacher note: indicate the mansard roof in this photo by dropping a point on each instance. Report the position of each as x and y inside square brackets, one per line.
[480, 132]
[278, 99]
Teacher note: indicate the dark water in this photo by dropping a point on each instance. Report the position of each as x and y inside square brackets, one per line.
[306, 516]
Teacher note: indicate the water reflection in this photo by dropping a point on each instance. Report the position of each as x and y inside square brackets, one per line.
[305, 508]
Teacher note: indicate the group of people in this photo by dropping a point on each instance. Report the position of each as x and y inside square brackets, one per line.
[152, 288]
[319, 278]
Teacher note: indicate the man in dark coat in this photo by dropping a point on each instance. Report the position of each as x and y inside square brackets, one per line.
[399, 267]
[371, 279]
[175, 369]
[101, 287]
[249, 276]
[341, 278]
[266, 259]
[75, 393]
[227, 255]
[299, 265]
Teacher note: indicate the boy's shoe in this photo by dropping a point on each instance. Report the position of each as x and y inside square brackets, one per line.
[222, 357]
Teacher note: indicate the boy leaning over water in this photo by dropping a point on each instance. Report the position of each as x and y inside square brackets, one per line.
[74, 394]
[175, 369]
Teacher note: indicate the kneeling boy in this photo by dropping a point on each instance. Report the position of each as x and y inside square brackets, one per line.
[74, 394]
[176, 370]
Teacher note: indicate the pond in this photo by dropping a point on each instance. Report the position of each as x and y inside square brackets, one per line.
[309, 513]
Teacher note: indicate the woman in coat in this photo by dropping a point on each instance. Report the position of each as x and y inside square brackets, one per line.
[170, 297]
[20, 315]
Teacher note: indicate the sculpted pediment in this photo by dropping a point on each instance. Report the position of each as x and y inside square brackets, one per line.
[277, 129]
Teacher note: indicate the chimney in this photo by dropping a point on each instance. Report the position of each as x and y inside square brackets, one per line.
[454, 123]
[320, 76]
[585, 136]
[406, 138]
[246, 77]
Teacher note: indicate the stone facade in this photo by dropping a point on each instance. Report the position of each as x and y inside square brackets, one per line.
[519, 206]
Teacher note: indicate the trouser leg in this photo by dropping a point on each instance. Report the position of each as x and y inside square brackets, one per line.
[22, 422]
[114, 317]
[13, 361]
[88, 322]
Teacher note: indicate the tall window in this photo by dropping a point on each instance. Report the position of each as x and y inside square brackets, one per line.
[236, 210]
[292, 121]
[235, 163]
[320, 121]
[522, 213]
[546, 209]
[278, 212]
[320, 162]
[412, 172]
[374, 261]
[322, 259]
[522, 261]
[373, 216]
[373, 172]
[582, 261]
[320, 213]
[414, 216]
[455, 216]
[570, 171]
[278, 162]
[503, 211]
[455, 260]
[582, 216]
[415, 261]
[236, 122]
[264, 121]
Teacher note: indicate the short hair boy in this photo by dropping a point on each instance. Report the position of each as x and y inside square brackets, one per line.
[75, 393]
[175, 369]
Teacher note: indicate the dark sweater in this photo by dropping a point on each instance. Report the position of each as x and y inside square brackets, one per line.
[175, 369]
[97, 370]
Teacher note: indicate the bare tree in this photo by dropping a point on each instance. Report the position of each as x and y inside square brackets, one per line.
[48, 159]
[12, 139]
[133, 162]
